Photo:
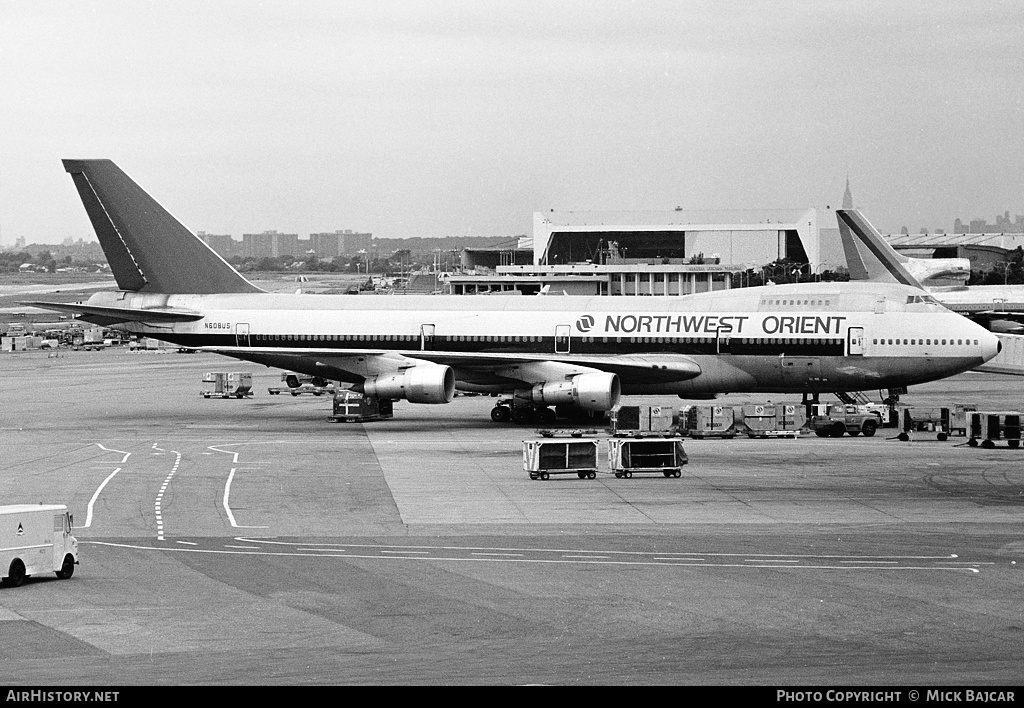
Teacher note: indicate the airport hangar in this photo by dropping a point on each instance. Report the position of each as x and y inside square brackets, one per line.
[674, 252]
[985, 251]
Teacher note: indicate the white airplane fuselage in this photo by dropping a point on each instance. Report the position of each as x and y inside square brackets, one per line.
[814, 337]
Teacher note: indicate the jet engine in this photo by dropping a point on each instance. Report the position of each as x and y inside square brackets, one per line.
[592, 392]
[417, 384]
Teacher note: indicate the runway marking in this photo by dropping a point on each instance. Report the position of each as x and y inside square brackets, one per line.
[506, 555]
[227, 505]
[597, 557]
[163, 488]
[683, 555]
[548, 556]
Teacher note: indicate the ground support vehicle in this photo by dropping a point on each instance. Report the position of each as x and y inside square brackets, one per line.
[303, 388]
[925, 420]
[664, 456]
[354, 407]
[36, 538]
[235, 384]
[708, 421]
[543, 458]
[941, 421]
[841, 418]
[768, 420]
[985, 427]
[631, 420]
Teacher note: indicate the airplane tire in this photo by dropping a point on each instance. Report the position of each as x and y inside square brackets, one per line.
[501, 414]
[522, 416]
[67, 569]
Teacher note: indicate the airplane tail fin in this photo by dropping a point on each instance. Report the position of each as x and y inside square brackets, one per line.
[868, 256]
[148, 250]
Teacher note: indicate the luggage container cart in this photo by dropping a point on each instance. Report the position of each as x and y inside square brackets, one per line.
[710, 422]
[654, 421]
[664, 456]
[354, 407]
[985, 427]
[234, 384]
[941, 421]
[543, 458]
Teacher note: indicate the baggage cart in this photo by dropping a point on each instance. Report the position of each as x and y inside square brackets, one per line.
[664, 456]
[985, 427]
[354, 407]
[642, 420]
[543, 458]
[235, 384]
[710, 422]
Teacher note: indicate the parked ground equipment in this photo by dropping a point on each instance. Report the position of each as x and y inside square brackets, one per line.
[641, 420]
[985, 427]
[355, 407]
[664, 456]
[234, 384]
[543, 458]
[328, 390]
[942, 421]
[837, 419]
[708, 421]
[36, 538]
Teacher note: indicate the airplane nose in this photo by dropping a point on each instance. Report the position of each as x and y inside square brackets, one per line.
[990, 346]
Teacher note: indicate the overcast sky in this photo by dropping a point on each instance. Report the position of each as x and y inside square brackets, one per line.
[463, 118]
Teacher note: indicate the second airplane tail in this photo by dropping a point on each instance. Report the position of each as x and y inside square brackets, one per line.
[148, 249]
[868, 255]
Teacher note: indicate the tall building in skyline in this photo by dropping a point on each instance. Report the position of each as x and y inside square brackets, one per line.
[847, 195]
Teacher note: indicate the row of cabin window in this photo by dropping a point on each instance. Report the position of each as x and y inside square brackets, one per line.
[390, 338]
[811, 303]
[925, 342]
[496, 338]
[711, 340]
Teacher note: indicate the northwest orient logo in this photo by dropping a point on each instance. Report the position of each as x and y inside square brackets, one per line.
[584, 323]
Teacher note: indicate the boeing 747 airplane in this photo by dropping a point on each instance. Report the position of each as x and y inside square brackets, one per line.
[545, 351]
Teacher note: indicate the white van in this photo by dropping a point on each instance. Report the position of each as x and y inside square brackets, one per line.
[36, 538]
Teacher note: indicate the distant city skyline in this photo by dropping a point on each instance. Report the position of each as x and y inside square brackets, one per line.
[435, 118]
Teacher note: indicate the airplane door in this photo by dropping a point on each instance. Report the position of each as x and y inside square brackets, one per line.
[426, 337]
[562, 339]
[242, 334]
[855, 341]
[722, 337]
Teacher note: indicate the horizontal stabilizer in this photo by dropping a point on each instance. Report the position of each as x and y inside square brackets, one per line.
[156, 315]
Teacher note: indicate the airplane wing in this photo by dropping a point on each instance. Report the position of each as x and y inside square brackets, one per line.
[527, 369]
[97, 314]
